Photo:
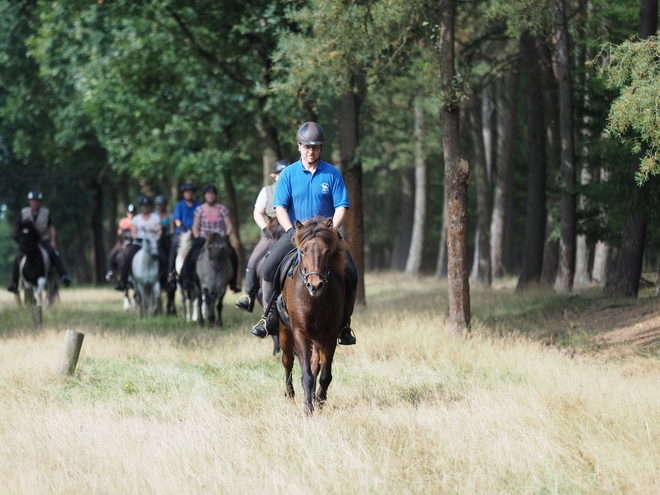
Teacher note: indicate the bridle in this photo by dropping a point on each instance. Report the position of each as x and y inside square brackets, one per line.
[304, 274]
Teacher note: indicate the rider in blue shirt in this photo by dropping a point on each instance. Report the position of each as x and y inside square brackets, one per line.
[307, 188]
[183, 218]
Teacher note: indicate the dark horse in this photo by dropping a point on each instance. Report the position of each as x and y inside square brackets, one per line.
[276, 231]
[314, 296]
[122, 249]
[35, 266]
[214, 272]
[164, 244]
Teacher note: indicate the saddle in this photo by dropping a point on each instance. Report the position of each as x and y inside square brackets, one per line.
[284, 270]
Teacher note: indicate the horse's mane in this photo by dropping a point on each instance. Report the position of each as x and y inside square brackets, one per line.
[321, 228]
[215, 238]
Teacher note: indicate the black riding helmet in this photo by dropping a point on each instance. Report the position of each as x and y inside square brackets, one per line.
[35, 195]
[145, 201]
[131, 208]
[280, 165]
[310, 134]
[160, 200]
[210, 188]
[187, 187]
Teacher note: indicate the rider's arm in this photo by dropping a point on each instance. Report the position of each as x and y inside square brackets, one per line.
[283, 218]
[338, 217]
[171, 224]
[229, 227]
[51, 228]
[195, 226]
[260, 218]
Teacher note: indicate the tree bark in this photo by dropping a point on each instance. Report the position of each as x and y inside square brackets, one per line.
[532, 263]
[352, 171]
[441, 266]
[98, 260]
[407, 211]
[232, 206]
[481, 268]
[506, 123]
[566, 261]
[456, 178]
[270, 148]
[414, 261]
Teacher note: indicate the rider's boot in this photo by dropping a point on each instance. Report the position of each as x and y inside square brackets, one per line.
[346, 336]
[13, 287]
[246, 301]
[268, 323]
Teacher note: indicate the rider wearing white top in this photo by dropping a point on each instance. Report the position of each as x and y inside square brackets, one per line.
[143, 224]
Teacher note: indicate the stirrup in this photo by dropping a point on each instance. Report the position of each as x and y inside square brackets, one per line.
[352, 335]
[263, 322]
[245, 303]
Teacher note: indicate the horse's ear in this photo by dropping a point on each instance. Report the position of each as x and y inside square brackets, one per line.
[298, 225]
[329, 223]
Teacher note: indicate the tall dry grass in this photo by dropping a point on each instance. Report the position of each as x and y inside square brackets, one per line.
[163, 407]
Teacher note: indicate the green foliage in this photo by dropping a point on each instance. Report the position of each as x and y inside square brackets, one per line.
[634, 117]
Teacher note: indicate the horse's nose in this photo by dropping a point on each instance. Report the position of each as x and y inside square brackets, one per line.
[314, 290]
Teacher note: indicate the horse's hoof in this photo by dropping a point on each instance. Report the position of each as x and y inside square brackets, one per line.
[13, 288]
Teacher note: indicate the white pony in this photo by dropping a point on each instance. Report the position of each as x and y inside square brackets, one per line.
[189, 298]
[146, 268]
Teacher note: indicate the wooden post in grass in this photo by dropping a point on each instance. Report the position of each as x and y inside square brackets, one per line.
[36, 317]
[72, 344]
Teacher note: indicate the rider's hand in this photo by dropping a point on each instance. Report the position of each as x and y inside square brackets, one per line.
[292, 236]
[267, 233]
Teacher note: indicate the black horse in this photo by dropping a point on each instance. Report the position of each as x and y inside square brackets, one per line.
[164, 244]
[35, 268]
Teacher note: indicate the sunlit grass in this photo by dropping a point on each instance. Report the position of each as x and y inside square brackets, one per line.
[159, 406]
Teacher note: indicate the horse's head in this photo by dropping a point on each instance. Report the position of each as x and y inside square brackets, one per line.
[150, 243]
[27, 236]
[216, 245]
[321, 252]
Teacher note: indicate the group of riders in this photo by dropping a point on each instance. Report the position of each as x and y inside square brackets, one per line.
[301, 190]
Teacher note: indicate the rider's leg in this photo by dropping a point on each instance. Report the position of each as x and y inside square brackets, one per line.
[13, 287]
[233, 259]
[112, 261]
[268, 323]
[346, 336]
[125, 270]
[57, 263]
[171, 272]
[246, 302]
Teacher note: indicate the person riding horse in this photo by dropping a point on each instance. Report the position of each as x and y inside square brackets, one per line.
[210, 217]
[262, 213]
[40, 217]
[146, 221]
[183, 218]
[307, 188]
[124, 225]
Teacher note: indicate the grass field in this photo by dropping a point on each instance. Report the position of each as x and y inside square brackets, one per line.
[533, 402]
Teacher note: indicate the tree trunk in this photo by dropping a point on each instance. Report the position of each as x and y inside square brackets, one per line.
[441, 266]
[232, 206]
[352, 170]
[583, 252]
[566, 261]
[532, 263]
[481, 268]
[506, 126]
[414, 262]
[98, 260]
[601, 262]
[407, 202]
[270, 148]
[456, 178]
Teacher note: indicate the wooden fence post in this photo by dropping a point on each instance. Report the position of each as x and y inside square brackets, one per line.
[36, 317]
[72, 344]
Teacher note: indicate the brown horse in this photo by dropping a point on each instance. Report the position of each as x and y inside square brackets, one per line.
[314, 296]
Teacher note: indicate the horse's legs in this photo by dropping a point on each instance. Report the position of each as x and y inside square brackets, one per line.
[286, 341]
[218, 306]
[127, 300]
[308, 380]
[326, 355]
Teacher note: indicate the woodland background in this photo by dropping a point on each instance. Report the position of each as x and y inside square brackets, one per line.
[103, 100]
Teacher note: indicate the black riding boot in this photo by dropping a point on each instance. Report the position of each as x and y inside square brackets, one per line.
[246, 301]
[269, 322]
[346, 336]
[13, 287]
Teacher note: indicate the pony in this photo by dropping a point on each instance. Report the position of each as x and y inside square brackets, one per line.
[164, 244]
[146, 274]
[124, 241]
[189, 298]
[314, 299]
[35, 270]
[276, 232]
[214, 272]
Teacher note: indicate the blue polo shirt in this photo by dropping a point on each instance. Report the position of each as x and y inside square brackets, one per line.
[306, 195]
[185, 214]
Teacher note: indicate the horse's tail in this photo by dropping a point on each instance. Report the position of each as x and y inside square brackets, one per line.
[185, 243]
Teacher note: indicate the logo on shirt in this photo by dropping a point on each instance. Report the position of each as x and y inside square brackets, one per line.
[325, 188]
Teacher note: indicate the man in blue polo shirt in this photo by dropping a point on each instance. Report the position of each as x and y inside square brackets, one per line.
[183, 218]
[307, 188]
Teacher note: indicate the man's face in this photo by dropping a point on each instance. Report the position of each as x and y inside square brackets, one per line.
[188, 195]
[309, 153]
[34, 203]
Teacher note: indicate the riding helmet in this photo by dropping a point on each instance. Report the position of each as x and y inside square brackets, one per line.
[210, 188]
[131, 208]
[145, 201]
[280, 165]
[35, 195]
[160, 200]
[187, 187]
[311, 134]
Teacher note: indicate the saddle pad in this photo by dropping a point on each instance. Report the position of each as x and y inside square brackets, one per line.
[284, 269]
